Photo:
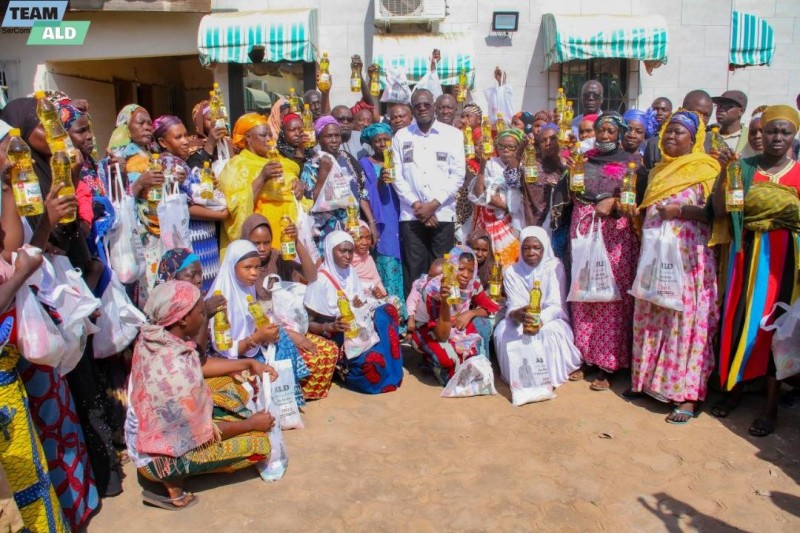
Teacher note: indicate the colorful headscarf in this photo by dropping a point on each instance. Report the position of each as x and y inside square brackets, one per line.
[612, 118]
[510, 132]
[688, 120]
[246, 122]
[274, 120]
[289, 117]
[68, 115]
[373, 130]
[173, 262]
[121, 136]
[321, 122]
[781, 112]
[590, 118]
[549, 126]
[473, 109]
[475, 286]
[171, 302]
[162, 124]
[542, 114]
[647, 118]
[199, 112]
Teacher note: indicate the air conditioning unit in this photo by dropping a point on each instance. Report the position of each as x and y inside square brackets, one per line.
[388, 12]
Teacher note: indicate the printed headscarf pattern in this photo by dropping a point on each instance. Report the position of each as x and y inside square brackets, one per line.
[121, 136]
[373, 130]
[246, 122]
[321, 122]
[173, 262]
[688, 120]
[514, 133]
[68, 114]
[162, 124]
[647, 118]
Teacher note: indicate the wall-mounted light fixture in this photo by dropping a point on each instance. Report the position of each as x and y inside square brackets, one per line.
[505, 22]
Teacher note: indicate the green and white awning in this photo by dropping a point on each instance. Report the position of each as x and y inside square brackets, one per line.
[412, 54]
[286, 35]
[752, 40]
[569, 37]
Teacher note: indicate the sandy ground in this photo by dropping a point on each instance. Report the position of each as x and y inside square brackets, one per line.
[412, 461]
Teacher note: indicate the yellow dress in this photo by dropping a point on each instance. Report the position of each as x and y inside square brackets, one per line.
[273, 203]
[235, 182]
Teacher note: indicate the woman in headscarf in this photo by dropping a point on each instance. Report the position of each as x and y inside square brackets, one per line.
[173, 429]
[540, 118]
[673, 353]
[763, 265]
[332, 171]
[755, 140]
[481, 244]
[386, 208]
[498, 207]
[553, 341]
[371, 369]
[603, 330]
[641, 126]
[246, 174]
[447, 334]
[172, 141]
[280, 108]
[204, 143]
[236, 281]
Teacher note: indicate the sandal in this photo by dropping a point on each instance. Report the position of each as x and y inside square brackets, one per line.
[600, 384]
[761, 427]
[631, 394]
[676, 411]
[577, 375]
[725, 405]
[165, 502]
[790, 400]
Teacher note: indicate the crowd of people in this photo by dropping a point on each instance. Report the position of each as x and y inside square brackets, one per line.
[344, 237]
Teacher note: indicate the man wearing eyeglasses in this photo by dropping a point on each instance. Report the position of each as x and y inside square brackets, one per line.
[730, 108]
[591, 103]
[430, 169]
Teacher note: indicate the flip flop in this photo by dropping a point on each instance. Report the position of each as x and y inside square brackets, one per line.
[577, 375]
[761, 427]
[725, 406]
[630, 395]
[677, 411]
[600, 388]
[165, 502]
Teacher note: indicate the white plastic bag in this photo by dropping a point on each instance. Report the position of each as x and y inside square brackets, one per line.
[223, 156]
[118, 323]
[367, 336]
[336, 192]
[397, 89]
[659, 276]
[273, 468]
[287, 303]
[592, 279]
[500, 100]
[305, 232]
[173, 218]
[473, 377]
[40, 342]
[528, 374]
[283, 394]
[785, 340]
[126, 258]
[430, 81]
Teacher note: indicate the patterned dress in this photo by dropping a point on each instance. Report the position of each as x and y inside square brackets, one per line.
[672, 351]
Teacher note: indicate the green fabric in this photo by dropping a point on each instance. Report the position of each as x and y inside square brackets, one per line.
[752, 40]
[749, 165]
[772, 206]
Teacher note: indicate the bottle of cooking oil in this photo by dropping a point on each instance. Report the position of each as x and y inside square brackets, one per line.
[351, 224]
[324, 82]
[734, 189]
[222, 329]
[48, 116]
[450, 279]
[375, 81]
[500, 123]
[288, 245]
[462, 86]
[534, 309]
[496, 280]
[274, 184]
[355, 79]
[218, 111]
[388, 163]
[486, 134]
[530, 164]
[628, 193]
[469, 143]
[154, 194]
[257, 312]
[308, 126]
[206, 182]
[576, 174]
[61, 170]
[24, 181]
[294, 101]
[346, 315]
[561, 101]
[716, 140]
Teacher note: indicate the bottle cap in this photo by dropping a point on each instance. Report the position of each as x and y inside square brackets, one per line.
[59, 145]
[39, 94]
[156, 156]
[631, 165]
[216, 85]
[211, 93]
[15, 132]
[206, 164]
[324, 54]
[561, 89]
[305, 106]
[499, 115]
[249, 298]
[217, 293]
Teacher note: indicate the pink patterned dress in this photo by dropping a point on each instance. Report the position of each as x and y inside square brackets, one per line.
[672, 351]
[603, 330]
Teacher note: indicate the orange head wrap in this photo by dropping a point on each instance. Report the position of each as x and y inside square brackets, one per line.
[246, 123]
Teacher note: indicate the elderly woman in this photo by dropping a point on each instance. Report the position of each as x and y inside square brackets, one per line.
[246, 174]
[369, 368]
[204, 143]
[763, 260]
[333, 180]
[385, 206]
[603, 330]
[174, 429]
[673, 354]
[553, 340]
[641, 126]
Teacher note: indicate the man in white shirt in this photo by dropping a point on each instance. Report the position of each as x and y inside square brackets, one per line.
[430, 169]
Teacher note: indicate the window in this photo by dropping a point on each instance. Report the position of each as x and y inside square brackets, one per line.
[612, 73]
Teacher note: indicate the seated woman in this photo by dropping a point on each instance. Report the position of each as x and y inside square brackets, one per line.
[448, 334]
[236, 281]
[365, 266]
[320, 354]
[554, 339]
[173, 429]
[378, 368]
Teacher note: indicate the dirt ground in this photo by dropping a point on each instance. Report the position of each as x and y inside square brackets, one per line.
[412, 461]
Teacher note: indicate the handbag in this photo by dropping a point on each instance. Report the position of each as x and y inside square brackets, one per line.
[592, 278]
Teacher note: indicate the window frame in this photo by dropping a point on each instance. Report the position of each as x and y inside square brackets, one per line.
[592, 69]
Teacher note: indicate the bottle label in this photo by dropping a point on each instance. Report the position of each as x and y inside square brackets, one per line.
[312, 138]
[223, 111]
[355, 83]
[223, 339]
[220, 123]
[628, 198]
[375, 88]
[288, 249]
[206, 188]
[735, 198]
[488, 148]
[577, 181]
[469, 150]
[28, 193]
[324, 78]
[389, 175]
[531, 172]
[154, 195]
[494, 289]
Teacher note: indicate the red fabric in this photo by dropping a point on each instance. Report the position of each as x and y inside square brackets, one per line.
[360, 105]
[83, 193]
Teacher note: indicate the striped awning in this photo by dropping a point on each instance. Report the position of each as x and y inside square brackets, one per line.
[752, 40]
[568, 37]
[288, 35]
[412, 53]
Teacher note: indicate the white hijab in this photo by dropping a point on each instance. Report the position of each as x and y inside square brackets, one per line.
[242, 323]
[321, 295]
[518, 279]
